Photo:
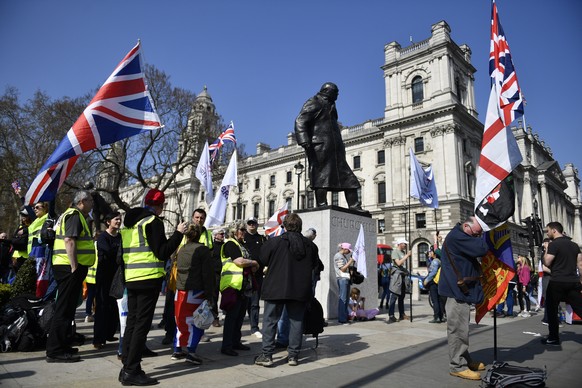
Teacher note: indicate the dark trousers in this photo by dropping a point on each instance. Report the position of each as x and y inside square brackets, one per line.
[141, 305]
[69, 286]
[295, 313]
[400, 299]
[568, 292]
[169, 315]
[253, 310]
[106, 313]
[91, 291]
[233, 321]
[437, 307]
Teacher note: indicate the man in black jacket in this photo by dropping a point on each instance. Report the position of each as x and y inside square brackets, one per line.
[253, 243]
[290, 260]
[144, 260]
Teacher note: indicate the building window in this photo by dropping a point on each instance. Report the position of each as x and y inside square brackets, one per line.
[289, 175]
[381, 159]
[257, 183]
[381, 226]
[357, 162]
[256, 210]
[381, 192]
[420, 220]
[240, 187]
[417, 92]
[202, 195]
[272, 180]
[271, 208]
[419, 144]
[310, 199]
[289, 204]
[335, 198]
[359, 191]
[422, 251]
[234, 212]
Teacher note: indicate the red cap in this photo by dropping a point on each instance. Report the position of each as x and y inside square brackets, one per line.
[154, 197]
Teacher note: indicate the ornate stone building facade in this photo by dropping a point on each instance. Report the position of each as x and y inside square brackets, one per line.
[430, 107]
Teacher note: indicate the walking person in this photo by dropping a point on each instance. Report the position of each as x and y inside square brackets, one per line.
[524, 277]
[384, 276]
[564, 259]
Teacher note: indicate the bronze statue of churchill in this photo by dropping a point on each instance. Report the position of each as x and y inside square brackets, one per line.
[318, 132]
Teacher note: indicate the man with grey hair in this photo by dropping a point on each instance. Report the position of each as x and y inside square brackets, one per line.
[73, 254]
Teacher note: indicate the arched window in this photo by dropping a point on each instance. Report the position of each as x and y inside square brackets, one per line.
[417, 92]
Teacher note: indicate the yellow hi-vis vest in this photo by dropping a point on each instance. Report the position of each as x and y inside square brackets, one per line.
[84, 242]
[205, 238]
[34, 231]
[140, 261]
[231, 275]
[92, 272]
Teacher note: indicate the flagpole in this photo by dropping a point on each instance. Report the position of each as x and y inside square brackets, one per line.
[407, 236]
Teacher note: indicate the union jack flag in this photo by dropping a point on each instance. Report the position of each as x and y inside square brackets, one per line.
[499, 151]
[227, 135]
[274, 226]
[121, 108]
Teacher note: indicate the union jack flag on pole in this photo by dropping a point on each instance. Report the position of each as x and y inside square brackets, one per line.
[227, 135]
[121, 108]
[499, 151]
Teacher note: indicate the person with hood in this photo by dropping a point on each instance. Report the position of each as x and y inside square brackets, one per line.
[289, 260]
[145, 251]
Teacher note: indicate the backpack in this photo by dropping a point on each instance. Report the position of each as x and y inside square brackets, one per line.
[505, 375]
[313, 322]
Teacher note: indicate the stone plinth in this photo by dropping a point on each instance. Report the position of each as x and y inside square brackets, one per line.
[335, 225]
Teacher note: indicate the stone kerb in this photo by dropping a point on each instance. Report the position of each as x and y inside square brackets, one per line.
[335, 225]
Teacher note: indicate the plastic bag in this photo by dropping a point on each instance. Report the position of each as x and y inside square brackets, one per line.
[203, 316]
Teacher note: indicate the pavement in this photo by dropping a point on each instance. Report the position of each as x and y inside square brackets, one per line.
[362, 354]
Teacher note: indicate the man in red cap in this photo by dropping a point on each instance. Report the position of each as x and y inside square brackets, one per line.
[145, 251]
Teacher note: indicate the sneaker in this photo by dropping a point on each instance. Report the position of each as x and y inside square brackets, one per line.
[193, 358]
[292, 361]
[435, 321]
[404, 318]
[263, 360]
[89, 319]
[205, 338]
[176, 356]
[258, 334]
[216, 323]
[392, 319]
[467, 374]
[525, 314]
[545, 323]
[550, 342]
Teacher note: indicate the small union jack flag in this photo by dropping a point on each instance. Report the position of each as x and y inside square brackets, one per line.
[499, 150]
[121, 108]
[227, 135]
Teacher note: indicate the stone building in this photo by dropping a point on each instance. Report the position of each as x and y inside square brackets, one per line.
[430, 107]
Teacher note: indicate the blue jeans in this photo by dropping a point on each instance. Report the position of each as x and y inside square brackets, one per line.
[271, 314]
[437, 307]
[283, 328]
[385, 291]
[343, 285]
[509, 300]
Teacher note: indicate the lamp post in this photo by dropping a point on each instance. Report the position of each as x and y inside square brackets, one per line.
[298, 171]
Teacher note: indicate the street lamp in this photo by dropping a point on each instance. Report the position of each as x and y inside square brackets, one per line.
[298, 171]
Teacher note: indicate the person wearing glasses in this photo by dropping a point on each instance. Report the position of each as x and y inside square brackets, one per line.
[459, 282]
[236, 287]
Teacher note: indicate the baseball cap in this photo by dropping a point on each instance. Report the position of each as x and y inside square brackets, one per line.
[347, 246]
[401, 241]
[252, 220]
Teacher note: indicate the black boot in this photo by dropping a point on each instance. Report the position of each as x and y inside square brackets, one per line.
[321, 197]
[353, 200]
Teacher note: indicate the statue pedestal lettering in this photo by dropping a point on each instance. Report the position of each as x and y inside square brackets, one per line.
[335, 225]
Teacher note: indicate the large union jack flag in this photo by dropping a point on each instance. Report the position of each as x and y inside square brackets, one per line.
[274, 226]
[499, 151]
[121, 108]
[227, 135]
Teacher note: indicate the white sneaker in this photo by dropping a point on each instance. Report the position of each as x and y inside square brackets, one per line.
[258, 334]
[89, 319]
[525, 314]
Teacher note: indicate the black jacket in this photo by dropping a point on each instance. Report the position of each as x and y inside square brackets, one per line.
[290, 260]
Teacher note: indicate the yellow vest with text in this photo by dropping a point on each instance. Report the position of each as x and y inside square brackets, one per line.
[231, 275]
[140, 261]
[34, 231]
[84, 242]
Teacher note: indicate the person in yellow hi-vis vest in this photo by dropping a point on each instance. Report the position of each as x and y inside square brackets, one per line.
[73, 254]
[145, 252]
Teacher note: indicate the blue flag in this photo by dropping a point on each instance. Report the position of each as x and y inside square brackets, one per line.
[422, 184]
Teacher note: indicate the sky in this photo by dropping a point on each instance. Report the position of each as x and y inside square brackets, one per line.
[262, 59]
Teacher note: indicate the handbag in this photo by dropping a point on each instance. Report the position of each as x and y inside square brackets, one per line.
[228, 299]
[203, 316]
[355, 276]
[118, 283]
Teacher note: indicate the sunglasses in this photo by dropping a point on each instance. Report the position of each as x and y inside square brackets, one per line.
[37, 207]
